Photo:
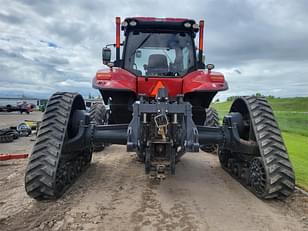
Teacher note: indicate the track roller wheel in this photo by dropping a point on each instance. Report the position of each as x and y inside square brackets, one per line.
[269, 174]
[212, 120]
[51, 169]
[257, 176]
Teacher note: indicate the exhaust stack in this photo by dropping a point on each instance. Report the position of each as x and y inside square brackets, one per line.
[201, 31]
[118, 25]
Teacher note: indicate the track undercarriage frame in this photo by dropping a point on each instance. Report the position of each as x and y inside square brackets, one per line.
[161, 132]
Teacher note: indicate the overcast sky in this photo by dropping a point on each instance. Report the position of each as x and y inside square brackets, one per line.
[47, 46]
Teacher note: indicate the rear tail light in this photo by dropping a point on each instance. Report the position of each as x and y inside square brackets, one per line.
[217, 79]
[103, 76]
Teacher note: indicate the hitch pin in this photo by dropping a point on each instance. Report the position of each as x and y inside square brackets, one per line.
[144, 118]
[175, 118]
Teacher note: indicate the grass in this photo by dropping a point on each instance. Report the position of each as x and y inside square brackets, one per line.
[296, 123]
[297, 104]
[291, 114]
[292, 117]
[297, 146]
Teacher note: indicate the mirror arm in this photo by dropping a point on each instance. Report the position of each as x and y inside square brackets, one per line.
[113, 44]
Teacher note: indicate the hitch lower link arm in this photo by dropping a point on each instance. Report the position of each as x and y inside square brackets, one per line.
[226, 136]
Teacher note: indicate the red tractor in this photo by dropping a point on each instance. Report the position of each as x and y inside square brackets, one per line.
[156, 101]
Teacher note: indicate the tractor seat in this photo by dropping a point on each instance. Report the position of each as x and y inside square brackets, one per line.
[157, 64]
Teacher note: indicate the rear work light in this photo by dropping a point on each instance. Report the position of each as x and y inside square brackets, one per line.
[187, 24]
[124, 24]
[133, 23]
[195, 26]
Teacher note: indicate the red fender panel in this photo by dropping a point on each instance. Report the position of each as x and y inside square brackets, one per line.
[115, 79]
[204, 80]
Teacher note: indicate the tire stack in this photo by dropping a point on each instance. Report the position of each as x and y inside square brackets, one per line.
[7, 135]
[211, 120]
[100, 116]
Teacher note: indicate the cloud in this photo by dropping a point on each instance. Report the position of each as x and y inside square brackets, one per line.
[48, 46]
[10, 19]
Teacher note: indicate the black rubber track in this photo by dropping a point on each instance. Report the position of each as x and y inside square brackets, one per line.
[278, 173]
[212, 120]
[48, 173]
[98, 115]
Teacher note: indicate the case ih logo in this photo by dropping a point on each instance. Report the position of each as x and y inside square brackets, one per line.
[158, 85]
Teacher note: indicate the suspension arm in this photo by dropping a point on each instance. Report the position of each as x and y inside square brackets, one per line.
[189, 136]
[113, 134]
[93, 134]
[211, 135]
[227, 137]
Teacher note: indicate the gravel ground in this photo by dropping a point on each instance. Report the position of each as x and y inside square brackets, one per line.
[115, 194]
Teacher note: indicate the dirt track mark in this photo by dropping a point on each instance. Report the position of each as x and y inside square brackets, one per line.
[152, 215]
[115, 194]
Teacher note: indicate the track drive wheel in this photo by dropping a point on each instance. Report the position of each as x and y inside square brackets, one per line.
[212, 120]
[100, 115]
[51, 169]
[269, 174]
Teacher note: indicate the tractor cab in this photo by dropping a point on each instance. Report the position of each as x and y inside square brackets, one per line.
[158, 47]
[154, 48]
[157, 53]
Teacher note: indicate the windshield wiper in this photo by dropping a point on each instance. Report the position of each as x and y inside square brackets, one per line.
[141, 44]
[170, 73]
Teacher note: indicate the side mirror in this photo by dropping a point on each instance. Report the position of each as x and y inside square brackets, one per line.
[210, 66]
[106, 55]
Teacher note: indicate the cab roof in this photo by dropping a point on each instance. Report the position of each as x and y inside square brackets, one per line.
[153, 19]
[151, 24]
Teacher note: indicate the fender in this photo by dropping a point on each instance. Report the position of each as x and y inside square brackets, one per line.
[204, 81]
[116, 79]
